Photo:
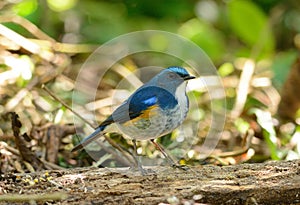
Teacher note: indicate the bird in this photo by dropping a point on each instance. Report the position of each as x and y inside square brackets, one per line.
[152, 111]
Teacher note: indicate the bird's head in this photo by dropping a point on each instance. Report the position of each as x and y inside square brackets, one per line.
[171, 78]
[177, 73]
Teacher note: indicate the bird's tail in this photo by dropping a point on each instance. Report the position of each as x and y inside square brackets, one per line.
[89, 138]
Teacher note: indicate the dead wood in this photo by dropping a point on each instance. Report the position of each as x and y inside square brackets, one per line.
[266, 183]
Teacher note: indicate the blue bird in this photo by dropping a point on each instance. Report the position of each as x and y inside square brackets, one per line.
[153, 110]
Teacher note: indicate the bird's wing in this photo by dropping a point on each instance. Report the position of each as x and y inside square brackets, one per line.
[143, 101]
[139, 104]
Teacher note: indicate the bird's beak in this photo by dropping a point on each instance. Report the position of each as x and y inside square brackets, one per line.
[189, 77]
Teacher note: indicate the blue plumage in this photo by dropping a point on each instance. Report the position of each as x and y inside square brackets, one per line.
[150, 96]
[179, 71]
[153, 110]
[150, 101]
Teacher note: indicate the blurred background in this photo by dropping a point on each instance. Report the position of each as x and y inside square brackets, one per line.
[253, 44]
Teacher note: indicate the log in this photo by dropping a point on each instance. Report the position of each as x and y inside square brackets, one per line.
[276, 182]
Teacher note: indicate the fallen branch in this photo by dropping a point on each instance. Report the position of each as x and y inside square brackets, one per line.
[25, 152]
[276, 182]
[33, 197]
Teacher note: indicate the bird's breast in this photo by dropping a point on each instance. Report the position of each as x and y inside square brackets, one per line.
[156, 121]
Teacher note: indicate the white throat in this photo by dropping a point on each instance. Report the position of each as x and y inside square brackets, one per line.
[181, 95]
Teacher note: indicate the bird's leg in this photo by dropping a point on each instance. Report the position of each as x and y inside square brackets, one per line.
[158, 147]
[137, 159]
[169, 159]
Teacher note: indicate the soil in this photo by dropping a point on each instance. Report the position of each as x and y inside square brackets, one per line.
[265, 183]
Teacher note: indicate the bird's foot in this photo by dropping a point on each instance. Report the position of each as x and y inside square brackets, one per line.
[142, 170]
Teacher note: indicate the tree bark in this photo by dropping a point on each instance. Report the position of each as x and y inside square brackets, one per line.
[266, 183]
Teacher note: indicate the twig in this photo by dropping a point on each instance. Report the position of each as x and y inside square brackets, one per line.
[30, 27]
[58, 185]
[44, 40]
[237, 152]
[25, 152]
[127, 74]
[219, 159]
[33, 197]
[18, 166]
[10, 149]
[62, 62]
[29, 166]
[25, 43]
[66, 105]
[110, 141]
[50, 165]
[65, 47]
[243, 88]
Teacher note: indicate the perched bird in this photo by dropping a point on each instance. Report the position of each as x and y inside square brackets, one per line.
[153, 110]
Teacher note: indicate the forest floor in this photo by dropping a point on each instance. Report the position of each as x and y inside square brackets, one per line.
[265, 183]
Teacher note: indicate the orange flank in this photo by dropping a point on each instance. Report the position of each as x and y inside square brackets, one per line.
[145, 115]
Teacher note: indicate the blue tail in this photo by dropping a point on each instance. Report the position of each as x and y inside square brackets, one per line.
[89, 138]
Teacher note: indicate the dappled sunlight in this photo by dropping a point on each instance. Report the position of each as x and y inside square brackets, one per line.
[41, 61]
[194, 102]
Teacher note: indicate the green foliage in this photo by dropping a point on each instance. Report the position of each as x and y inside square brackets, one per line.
[59, 6]
[26, 7]
[205, 36]
[281, 65]
[261, 31]
[264, 119]
[225, 69]
[251, 25]
[242, 125]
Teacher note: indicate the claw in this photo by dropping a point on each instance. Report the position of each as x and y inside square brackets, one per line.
[142, 170]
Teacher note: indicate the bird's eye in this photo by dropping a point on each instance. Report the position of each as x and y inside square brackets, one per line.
[172, 75]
